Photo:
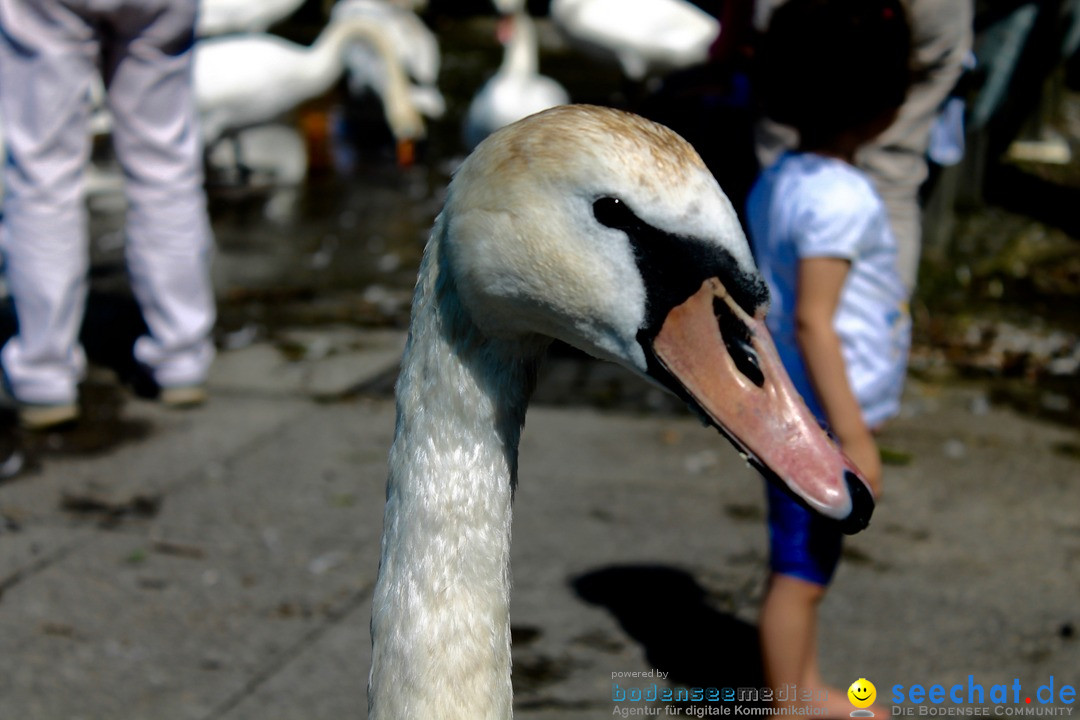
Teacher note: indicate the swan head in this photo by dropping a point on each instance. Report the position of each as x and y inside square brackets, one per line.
[606, 231]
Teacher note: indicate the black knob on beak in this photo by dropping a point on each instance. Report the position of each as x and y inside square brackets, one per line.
[862, 505]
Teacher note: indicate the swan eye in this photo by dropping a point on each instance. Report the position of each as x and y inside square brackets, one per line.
[614, 213]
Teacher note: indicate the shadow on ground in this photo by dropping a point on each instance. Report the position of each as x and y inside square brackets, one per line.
[111, 325]
[669, 614]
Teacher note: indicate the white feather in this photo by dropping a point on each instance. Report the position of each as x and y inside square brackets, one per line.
[218, 17]
[515, 258]
[516, 90]
[644, 36]
[245, 80]
[415, 45]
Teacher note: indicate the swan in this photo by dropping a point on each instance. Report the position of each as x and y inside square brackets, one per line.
[516, 89]
[272, 157]
[252, 79]
[415, 45]
[645, 36]
[218, 17]
[606, 231]
[509, 7]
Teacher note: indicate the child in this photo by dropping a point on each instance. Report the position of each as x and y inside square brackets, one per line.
[836, 71]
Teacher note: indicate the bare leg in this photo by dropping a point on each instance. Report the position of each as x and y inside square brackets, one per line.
[788, 628]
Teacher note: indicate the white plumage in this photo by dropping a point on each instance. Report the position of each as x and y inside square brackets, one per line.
[645, 36]
[271, 158]
[246, 80]
[414, 44]
[509, 7]
[218, 17]
[605, 231]
[517, 89]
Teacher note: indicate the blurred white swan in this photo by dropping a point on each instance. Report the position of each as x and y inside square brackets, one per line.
[645, 36]
[253, 79]
[218, 17]
[272, 158]
[509, 7]
[517, 89]
[416, 47]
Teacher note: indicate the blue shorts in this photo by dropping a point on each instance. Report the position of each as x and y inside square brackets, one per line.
[802, 543]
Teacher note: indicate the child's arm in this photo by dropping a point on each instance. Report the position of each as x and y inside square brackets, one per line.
[820, 282]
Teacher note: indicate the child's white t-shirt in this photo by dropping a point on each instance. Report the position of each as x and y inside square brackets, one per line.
[809, 205]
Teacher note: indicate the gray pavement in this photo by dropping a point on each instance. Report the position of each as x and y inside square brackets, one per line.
[218, 563]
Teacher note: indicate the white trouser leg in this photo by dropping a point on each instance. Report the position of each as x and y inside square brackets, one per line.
[47, 58]
[155, 133]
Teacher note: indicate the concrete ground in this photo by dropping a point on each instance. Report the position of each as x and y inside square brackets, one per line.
[218, 563]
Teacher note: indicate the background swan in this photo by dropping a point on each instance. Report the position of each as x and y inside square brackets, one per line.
[509, 7]
[516, 89]
[606, 231]
[218, 17]
[271, 158]
[645, 36]
[416, 47]
[246, 80]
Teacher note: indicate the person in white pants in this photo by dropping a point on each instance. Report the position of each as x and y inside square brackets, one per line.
[50, 51]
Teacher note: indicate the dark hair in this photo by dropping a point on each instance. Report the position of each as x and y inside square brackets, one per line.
[826, 66]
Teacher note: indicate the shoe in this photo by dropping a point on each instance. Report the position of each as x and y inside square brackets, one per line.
[12, 457]
[183, 396]
[46, 417]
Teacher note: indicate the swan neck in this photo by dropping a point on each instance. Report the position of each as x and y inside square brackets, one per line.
[441, 604]
[325, 61]
[394, 88]
[522, 54]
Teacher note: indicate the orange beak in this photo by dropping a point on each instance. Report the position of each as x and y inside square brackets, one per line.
[406, 153]
[504, 29]
[756, 406]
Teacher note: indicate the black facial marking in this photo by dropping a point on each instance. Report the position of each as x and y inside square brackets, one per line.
[673, 267]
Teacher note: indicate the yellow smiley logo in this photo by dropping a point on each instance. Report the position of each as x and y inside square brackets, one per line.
[862, 693]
